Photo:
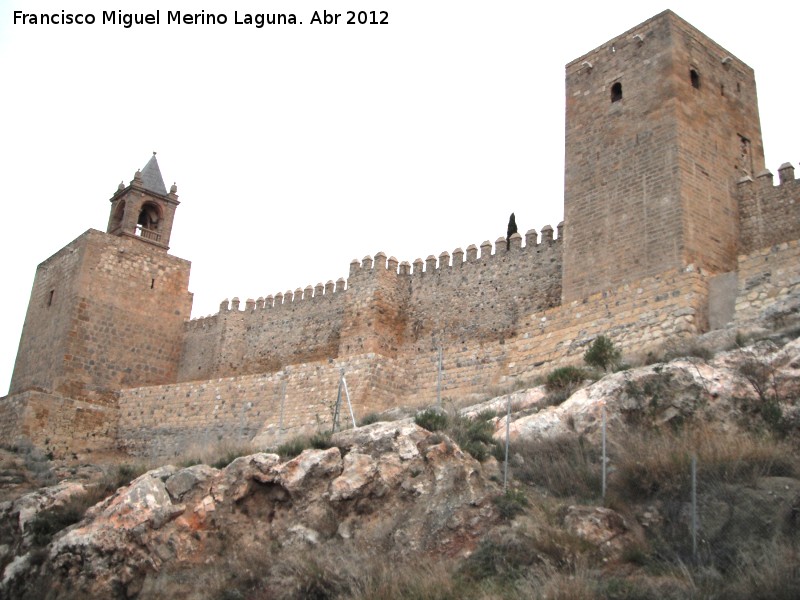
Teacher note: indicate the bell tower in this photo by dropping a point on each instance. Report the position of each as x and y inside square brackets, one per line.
[107, 311]
[144, 209]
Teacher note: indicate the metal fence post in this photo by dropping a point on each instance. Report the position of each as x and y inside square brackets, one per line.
[605, 459]
[508, 425]
[694, 508]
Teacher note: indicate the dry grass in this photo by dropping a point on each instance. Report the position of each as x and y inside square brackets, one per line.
[218, 455]
[651, 463]
[564, 466]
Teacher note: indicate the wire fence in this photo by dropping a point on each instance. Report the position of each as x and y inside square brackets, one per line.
[709, 499]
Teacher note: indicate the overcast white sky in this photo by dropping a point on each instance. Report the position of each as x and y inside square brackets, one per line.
[298, 148]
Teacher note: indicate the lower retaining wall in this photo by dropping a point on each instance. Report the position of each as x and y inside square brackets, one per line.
[172, 420]
[768, 289]
[57, 424]
[637, 317]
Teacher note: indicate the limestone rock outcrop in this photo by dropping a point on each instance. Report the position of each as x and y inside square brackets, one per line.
[390, 488]
[721, 391]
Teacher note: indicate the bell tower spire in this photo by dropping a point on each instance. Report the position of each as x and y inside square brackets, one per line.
[144, 209]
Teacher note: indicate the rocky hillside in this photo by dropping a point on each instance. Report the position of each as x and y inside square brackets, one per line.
[404, 509]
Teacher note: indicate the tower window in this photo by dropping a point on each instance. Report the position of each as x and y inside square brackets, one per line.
[616, 92]
[50, 298]
[695, 77]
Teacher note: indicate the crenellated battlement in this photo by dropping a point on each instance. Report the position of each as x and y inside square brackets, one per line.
[407, 301]
[459, 258]
[769, 214]
[535, 244]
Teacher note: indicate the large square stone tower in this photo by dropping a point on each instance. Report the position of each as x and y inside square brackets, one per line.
[661, 122]
[107, 311]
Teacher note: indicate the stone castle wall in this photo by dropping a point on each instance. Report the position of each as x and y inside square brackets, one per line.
[170, 419]
[769, 214]
[263, 335]
[58, 424]
[386, 308]
[768, 285]
[388, 359]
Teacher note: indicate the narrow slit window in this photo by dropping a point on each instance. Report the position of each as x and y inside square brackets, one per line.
[152, 283]
[616, 92]
[50, 298]
[694, 76]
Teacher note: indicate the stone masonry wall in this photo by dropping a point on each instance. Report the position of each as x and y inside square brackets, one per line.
[769, 286]
[483, 298]
[40, 358]
[57, 424]
[651, 152]
[169, 420]
[106, 312]
[769, 214]
[172, 419]
[264, 335]
[636, 317]
[387, 308]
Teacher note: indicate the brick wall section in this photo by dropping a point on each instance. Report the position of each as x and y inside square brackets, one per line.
[637, 317]
[769, 214]
[57, 424]
[169, 420]
[387, 309]
[765, 278]
[483, 298]
[648, 177]
[263, 335]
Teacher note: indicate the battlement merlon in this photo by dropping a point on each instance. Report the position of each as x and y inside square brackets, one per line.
[769, 214]
[456, 260]
[380, 264]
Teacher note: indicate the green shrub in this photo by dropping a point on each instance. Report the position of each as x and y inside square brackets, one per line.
[369, 419]
[293, 447]
[602, 354]
[432, 420]
[510, 504]
[564, 379]
[474, 436]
